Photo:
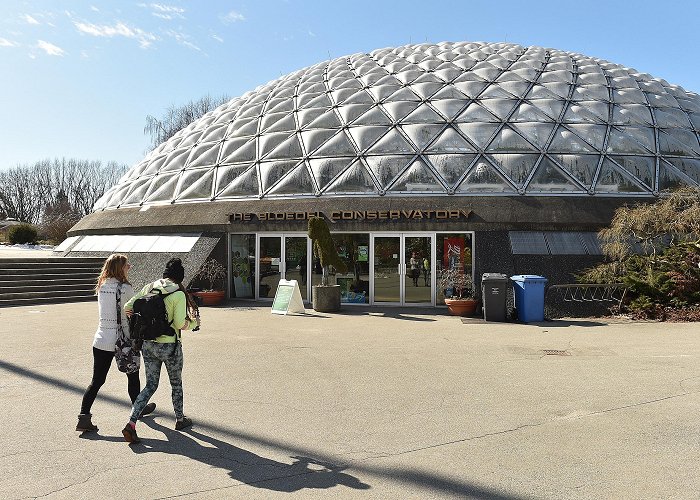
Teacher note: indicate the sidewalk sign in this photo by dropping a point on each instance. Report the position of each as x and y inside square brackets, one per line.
[288, 298]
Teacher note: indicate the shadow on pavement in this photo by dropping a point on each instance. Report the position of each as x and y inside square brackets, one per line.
[439, 484]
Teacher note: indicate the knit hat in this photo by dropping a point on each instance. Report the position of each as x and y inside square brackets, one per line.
[174, 270]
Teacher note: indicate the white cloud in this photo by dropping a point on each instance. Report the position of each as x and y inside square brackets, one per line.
[232, 17]
[144, 38]
[311, 33]
[4, 42]
[218, 38]
[94, 9]
[50, 49]
[167, 8]
[183, 39]
[30, 20]
[167, 17]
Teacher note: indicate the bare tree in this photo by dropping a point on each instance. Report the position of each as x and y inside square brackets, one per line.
[178, 117]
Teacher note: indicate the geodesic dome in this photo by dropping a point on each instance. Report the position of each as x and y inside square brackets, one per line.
[433, 119]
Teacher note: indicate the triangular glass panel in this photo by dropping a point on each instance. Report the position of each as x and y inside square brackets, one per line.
[451, 167]
[613, 179]
[550, 178]
[499, 107]
[629, 96]
[642, 167]
[118, 195]
[526, 72]
[476, 114]
[671, 117]
[365, 136]
[237, 180]
[550, 107]
[540, 92]
[214, 133]
[582, 112]
[338, 145]
[621, 142]
[196, 184]
[592, 134]
[515, 166]
[272, 171]
[450, 142]
[190, 139]
[487, 73]
[582, 167]
[398, 110]
[670, 179]
[296, 182]
[508, 140]
[325, 169]
[328, 120]
[471, 89]
[561, 89]
[450, 92]
[591, 93]
[479, 133]
[526, 112]
[631, 114]
[204, 155]
[391, 143]
[338, 96]
[403, 94]
[360, 97]
[246, 128]
[320, 101]
[154, 165]
[516, 88]
[417, 178]
[290, 148]
[447, 74]
[286, 124]
[355, 179]
[137, 192]
[565, 141]
[423, 114]
[375, 116]
[537, 133]
[380, 92]
[449, 107]
[495, 92]
[425, 90]
[678, 142]
[688, 166]
[269, 142]
[315, 138]
[386, 168]
[420, 134]
[238, 150]
[483, 178]
[306, 116]
[162, 188]
[176, 160]
[351, 112]
[284, 105]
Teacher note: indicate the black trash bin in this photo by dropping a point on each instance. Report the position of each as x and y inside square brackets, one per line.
[493, 295]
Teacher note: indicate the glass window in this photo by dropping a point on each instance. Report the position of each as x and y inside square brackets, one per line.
[453, 251]
[242, 265]
[353, 249]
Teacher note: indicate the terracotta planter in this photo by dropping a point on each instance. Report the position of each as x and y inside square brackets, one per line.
[212, 297]
[461, 307]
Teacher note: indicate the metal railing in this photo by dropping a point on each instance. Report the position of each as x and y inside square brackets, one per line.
[590, 292]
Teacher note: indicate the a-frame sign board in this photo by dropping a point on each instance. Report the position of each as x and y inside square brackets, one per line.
[288, 298]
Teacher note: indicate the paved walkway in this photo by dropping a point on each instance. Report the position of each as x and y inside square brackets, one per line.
[384, 403]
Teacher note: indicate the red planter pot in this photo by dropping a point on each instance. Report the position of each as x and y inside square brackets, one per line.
[211, 298]
[461, 307]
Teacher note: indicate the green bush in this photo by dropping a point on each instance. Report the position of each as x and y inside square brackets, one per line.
[22, 233]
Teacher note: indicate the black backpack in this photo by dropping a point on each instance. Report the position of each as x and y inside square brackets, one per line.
[150, 318]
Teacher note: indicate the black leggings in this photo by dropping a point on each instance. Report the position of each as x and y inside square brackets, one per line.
[103, 360]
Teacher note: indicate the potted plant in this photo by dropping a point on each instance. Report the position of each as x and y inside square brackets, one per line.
[212, 273]
[325, 297]
[458, 289]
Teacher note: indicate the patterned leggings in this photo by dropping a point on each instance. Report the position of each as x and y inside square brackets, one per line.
[154, 355]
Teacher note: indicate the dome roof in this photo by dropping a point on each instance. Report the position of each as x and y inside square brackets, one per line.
[438, 119]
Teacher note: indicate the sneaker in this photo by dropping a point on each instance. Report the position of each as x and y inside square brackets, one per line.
[130, 434]
[148, 409]
[182, 423]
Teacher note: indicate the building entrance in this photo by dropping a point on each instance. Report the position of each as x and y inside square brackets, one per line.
[402, 270]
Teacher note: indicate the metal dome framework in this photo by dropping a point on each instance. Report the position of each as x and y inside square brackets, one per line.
[446, 119]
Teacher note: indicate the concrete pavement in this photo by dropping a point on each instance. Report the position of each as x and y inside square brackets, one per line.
[370, 403]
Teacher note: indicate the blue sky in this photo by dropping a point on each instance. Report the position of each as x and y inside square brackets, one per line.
[77, 78]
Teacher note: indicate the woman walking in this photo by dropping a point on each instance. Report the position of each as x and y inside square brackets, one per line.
[183, 314]
[113, 290]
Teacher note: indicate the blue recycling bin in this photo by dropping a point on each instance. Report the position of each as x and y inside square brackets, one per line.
[528, 290]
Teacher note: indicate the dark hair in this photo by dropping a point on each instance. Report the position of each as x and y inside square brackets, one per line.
[174, 270]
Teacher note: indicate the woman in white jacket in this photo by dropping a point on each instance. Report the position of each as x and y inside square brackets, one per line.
[112, 279]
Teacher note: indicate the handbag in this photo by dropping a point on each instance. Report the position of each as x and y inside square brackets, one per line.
[128, 358]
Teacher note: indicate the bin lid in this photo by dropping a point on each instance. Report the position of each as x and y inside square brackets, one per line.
[529, 277]
[494, 277]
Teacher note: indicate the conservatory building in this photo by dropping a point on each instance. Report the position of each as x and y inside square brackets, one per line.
[481, 157]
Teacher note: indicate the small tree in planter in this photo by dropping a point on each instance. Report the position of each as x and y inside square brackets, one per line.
[325, 297]
[212, 273]
[458, 289]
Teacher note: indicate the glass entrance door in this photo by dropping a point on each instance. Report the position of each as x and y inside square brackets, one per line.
[282, 256]
[403, 269]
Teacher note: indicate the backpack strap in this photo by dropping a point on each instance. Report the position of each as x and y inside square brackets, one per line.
[160, 292]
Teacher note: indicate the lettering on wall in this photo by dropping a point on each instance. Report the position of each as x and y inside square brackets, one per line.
[353, 215]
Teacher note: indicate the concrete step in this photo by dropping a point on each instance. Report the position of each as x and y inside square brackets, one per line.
[97, 261]
[50, 265]
[46, 294]
[88, 281]
[45, 287]
[48, 270]
[43, 300]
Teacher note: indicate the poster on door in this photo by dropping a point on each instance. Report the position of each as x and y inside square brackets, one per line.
[453, 253]
[240, 268]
